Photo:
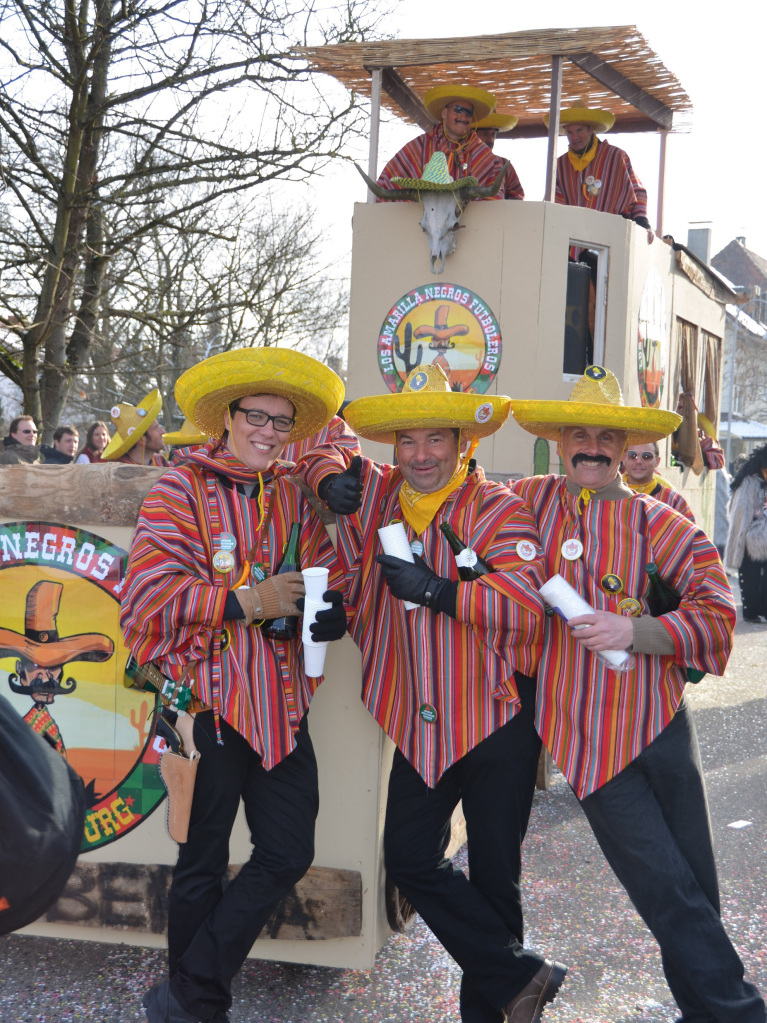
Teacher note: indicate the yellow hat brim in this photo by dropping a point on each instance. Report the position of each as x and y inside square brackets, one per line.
[181, 439]
[436, 99]
[381, 416]
[119, 444]
[547, 418]
[599, 120]
[205, 392]
[501, 122]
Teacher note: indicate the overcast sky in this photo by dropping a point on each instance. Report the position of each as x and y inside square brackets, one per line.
[714, 173]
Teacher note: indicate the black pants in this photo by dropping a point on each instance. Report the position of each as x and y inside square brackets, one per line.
[212, 929]
[651, 821]
[752, 576]
[478, 920]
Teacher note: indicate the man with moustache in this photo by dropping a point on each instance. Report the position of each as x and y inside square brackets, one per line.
[449, 681]
[626, 742]
[640, 464]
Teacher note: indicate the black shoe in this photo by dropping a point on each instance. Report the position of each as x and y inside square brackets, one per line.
[528, 1005]
[162, 1006]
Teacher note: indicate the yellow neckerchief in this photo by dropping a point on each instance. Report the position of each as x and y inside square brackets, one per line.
[581, 162]
[419, 509]
[584, 497]
[646, 488]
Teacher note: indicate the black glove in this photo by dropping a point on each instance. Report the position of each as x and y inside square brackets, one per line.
[342, 492]
[417, 582]
[329, 624]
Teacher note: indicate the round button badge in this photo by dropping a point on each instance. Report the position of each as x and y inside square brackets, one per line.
[611, 583]
[416, 546]
[526, 550]
[258, 571]
[631, 607]
[223, 561]
[572, 549]
[227, 542]
[428, 713]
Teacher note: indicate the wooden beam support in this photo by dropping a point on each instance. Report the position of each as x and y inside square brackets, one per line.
[613, 80]
[538, 131]
[375, 122]
[402, 94]
[555, 103]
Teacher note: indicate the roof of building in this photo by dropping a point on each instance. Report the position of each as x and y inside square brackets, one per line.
[744, 429]
[742, 266]
[614, 68]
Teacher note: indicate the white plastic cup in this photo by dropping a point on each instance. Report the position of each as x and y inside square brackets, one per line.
[568, 603]
[394, 542]
[315, 582]
[314, 652]
[314, 660]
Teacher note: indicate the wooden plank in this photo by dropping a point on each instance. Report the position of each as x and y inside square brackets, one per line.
[326, 902]
[407, 100]
[555, 100]
[623, 87]
[538, 131]
[375, 123]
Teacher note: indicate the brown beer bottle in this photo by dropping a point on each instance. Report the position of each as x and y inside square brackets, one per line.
[286, 627]
[663, 599]
[470, 565]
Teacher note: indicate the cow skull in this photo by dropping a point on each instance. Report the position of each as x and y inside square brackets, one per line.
[441, 211]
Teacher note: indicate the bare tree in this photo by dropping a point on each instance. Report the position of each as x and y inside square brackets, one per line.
[118, 121]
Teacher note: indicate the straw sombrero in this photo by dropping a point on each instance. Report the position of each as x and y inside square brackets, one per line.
[596, 400]
[435, 177]
[206, 391]
[426, 402]
[501, 122]
[131, 422]
[438, 98]
[41, 643]
[582, 113]
[187, 436]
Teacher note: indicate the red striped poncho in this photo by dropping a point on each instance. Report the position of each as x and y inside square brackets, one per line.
[469, 158]
[173, 600]
[336, 432]
[462, 667]
[593, 720]
[621, 192]
[512, 186]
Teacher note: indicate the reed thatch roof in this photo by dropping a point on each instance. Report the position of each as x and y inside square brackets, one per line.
[614, 68]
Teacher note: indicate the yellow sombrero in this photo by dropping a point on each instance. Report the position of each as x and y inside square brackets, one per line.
[206, 391]
[438, 98]
[435, 177]
[596, 400]
[131, 422]
[501, 122]
[426, 401]
[582, 113]
[187, 436]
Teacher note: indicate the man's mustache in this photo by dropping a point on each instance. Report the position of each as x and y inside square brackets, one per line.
[581, 457]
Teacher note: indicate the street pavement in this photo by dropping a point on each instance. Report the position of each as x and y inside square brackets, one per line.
[575, 911]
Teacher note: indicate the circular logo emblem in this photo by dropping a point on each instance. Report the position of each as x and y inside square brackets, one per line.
[227, 542]
[526, 550]
[141, 412]
[444, 324]
[572, 549]
[223, 561]
[611, 583]
[418, 382]
[484, 412]
[428, 713]
[130, 430]
[630, 606]
[416, 546]
[115, 413]
[595, 372]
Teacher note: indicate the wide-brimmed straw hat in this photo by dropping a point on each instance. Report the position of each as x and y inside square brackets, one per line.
[41, 643]
[500, 122]
[596, 400]
[582, 113]
[435, 177]
[187, 436]
[131, 422]
[426, 402]
[205, 392]
[437, 99]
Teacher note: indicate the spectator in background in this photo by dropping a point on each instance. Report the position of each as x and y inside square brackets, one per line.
[18, 453]
[138, 438]
[640, 464]
[64, 448]
[22, 431]
[746, 549]
[96, 439]
[487, 130]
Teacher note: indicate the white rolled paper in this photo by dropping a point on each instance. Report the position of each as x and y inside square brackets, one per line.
[394, 541]
[314, 652]
[568, 603]
[315, 582]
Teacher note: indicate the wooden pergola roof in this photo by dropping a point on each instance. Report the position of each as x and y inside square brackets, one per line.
[614, 68]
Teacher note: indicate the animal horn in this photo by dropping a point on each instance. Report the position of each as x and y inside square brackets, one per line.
[484, 191]
[389, 193]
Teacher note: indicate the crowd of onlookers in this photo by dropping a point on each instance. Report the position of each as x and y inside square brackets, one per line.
[21, 443]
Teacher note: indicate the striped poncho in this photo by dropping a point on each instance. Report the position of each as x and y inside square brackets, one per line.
[468, 158]
[663, 491]
[173, 601]
[463, 667]
[593, 720]
[512, 186]
[621, 190]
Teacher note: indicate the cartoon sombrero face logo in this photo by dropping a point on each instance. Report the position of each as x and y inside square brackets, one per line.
[64, 661]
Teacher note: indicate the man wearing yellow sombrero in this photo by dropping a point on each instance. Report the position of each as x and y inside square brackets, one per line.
[206, 603]
[626, 741]
[595, 174]
[456, 109]
[448, 679]
[138, 436]
[487, 129]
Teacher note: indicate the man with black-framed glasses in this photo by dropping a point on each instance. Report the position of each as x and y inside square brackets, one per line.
[640, 464]
[457, 109]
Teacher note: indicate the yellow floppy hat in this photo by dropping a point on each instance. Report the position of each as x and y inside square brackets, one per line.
[426, 402]
[596, 400]
[501, 122]
[205, 392]
[188, 435]
[582, 113]
[437, 99]
[131, 422]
